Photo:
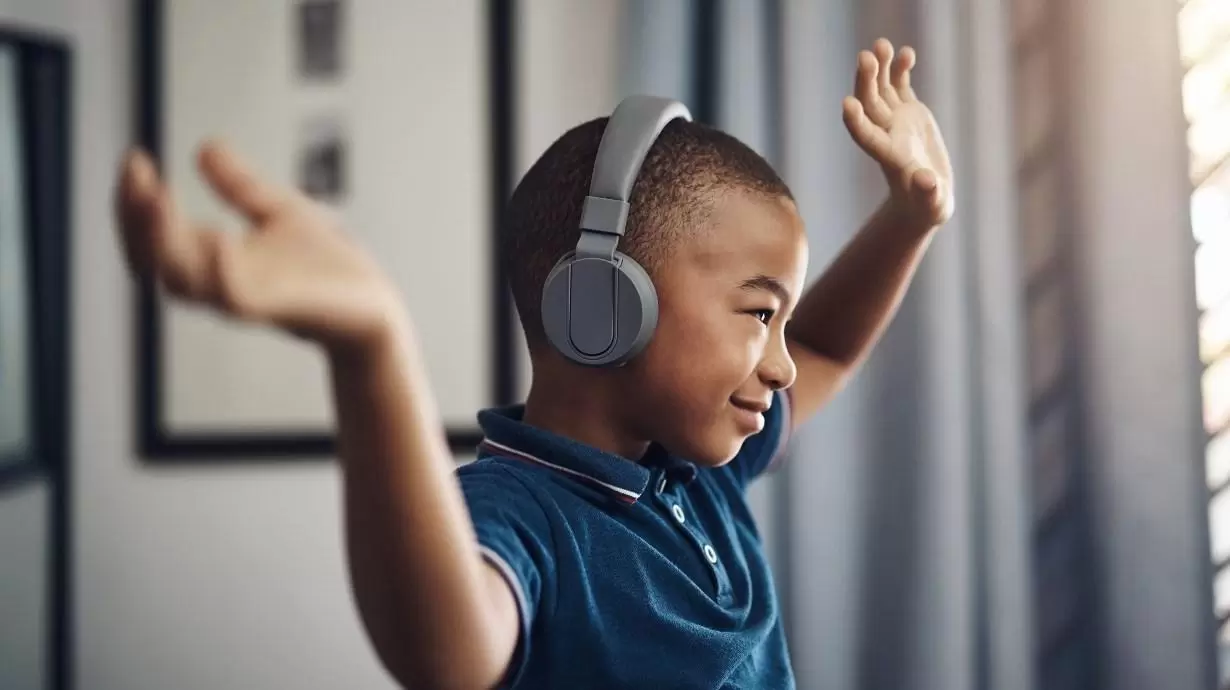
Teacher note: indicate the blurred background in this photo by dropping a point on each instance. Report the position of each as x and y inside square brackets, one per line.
[1026, 488]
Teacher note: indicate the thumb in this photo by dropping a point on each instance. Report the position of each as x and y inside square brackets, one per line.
[922, 180]
[931, 196]
[923, 187]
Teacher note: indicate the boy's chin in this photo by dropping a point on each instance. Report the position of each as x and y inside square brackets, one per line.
[713, 450]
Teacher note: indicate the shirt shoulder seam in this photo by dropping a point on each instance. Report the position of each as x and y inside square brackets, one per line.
[533, 493]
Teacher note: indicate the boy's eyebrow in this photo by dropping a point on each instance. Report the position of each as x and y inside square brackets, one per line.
[768, 284]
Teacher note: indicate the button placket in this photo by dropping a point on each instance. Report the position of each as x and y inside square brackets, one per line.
[700, 542]
[721, 580]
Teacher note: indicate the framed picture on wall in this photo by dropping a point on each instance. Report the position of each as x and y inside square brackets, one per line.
[406, 133]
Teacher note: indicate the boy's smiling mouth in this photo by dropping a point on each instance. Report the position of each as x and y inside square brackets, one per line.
[750, 413]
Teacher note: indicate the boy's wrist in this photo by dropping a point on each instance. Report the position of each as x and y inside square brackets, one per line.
[389, 334]
[899, 217]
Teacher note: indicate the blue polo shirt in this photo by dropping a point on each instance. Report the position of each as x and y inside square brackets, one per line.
[628, 575]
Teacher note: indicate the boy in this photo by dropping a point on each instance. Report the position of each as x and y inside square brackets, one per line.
[602, 539]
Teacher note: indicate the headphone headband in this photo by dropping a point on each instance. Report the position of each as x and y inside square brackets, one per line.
[630, 132]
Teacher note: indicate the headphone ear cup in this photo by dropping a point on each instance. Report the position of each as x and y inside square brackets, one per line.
[597, 312]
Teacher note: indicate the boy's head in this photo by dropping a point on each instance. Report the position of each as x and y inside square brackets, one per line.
[718, 232]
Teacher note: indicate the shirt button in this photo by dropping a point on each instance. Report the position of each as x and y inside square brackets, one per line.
[710, 554]
[678, 511]
[662, 484]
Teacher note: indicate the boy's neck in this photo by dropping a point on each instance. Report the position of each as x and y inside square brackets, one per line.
[583, 414]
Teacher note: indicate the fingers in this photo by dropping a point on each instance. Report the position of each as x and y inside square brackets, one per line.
[235, 180]
[867, 89]
[900, 78]
[158, 241]
[869, 136]
[183, 254]
[883, 51]
[881, 82]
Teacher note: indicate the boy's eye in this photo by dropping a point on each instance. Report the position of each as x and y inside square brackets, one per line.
[762, 315]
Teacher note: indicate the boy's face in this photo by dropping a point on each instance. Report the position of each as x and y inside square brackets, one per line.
[719, 350]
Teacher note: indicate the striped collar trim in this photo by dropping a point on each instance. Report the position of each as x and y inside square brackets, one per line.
[627, 489]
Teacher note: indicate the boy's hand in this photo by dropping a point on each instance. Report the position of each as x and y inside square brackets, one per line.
[294, 268]
[891, 125]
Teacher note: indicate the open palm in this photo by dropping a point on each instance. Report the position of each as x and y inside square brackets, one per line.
[886, 119]
[293, 268]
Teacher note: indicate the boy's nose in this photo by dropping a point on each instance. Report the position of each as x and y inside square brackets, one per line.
[777, 369]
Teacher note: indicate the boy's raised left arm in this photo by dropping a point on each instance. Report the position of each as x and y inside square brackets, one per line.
[844, 313]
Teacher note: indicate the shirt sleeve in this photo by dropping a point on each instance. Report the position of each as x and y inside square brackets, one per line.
[765, 451]
[514, 535]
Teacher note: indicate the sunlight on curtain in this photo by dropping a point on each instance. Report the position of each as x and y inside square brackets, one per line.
[1204, 44]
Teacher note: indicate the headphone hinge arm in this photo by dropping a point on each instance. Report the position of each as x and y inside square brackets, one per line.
[595, 244]
[602, 224]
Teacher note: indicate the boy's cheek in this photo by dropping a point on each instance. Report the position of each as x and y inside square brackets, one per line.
[697, 366]
[688, 372]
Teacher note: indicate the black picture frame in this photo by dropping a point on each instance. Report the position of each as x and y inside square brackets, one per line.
[155, 441]
[45, 72]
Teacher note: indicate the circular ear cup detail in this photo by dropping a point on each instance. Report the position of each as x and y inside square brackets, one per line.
[598, 312]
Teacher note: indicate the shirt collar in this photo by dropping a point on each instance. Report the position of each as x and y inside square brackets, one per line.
[506, 435]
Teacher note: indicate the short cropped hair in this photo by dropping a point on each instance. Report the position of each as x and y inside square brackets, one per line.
[683, 170]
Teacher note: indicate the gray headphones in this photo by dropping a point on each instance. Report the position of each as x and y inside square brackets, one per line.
[599, 307]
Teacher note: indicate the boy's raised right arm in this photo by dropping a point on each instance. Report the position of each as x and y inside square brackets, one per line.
[437, 614]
